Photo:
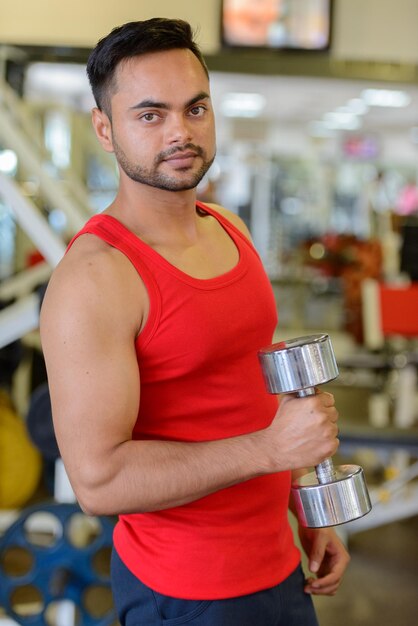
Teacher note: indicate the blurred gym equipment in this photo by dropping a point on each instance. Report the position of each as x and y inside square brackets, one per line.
[55, 568]
[20, 462]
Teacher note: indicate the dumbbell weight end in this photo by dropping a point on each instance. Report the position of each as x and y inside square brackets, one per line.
[342, 500]
[329, 496]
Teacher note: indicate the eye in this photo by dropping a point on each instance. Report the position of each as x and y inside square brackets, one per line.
[197, 110]
[149, 117]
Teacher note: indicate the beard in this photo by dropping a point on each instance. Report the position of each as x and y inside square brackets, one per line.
[152, 177]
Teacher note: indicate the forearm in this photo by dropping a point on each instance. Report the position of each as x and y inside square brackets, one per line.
[141, 476]
[113, 474]
[296, 473]
[138, 476]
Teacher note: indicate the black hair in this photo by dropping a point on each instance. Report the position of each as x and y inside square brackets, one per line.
[130, 40]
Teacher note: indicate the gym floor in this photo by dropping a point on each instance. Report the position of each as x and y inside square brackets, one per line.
[380, 587]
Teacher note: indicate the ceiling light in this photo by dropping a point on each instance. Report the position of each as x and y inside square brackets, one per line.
[8, 161]
[318, 129]
[55, 77]
[357, 106]
[343, 121]
[243, 104]
[385, 98]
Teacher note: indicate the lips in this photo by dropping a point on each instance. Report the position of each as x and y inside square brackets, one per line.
[181, 156]
[181, 159]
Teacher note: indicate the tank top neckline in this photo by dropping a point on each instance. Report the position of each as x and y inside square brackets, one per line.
[204, 283]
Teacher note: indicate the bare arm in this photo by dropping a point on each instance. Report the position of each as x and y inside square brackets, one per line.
[88, 330]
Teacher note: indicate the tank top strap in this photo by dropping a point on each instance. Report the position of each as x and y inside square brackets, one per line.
[228, 225]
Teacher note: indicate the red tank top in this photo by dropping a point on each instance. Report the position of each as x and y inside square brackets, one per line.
[200, 381]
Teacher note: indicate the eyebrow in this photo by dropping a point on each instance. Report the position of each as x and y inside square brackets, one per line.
[154, 104]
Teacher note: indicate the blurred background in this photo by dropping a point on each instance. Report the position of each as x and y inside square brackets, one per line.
[316, 104]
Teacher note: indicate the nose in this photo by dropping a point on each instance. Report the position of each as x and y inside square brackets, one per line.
[178, 129]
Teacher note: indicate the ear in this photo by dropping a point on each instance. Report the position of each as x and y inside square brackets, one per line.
[103, 129]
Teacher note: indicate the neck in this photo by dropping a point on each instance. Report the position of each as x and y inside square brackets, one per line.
[151, 212]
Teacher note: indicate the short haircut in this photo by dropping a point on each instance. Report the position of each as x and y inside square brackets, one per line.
[130, 40]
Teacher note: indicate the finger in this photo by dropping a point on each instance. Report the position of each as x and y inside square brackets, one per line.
[315, 587]
[322, 591]
[317, 552]
[327, 398]
[333, 578]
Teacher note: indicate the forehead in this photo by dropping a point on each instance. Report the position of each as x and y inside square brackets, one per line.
[159, 74]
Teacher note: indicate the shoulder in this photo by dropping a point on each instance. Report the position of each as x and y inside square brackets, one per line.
[90, 263]
[91, 283]
[231, 217]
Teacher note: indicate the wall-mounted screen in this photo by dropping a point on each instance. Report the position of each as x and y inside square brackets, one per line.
[280, 24]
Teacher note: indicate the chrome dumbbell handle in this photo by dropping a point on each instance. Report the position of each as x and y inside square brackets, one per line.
[325, 471]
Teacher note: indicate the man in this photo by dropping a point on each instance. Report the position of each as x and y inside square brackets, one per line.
[150, 327]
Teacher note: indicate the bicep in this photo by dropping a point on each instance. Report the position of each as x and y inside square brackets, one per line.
[93, 376]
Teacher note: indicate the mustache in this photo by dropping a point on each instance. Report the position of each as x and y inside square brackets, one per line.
[187, 146]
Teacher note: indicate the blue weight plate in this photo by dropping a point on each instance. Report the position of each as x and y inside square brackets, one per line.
[60, 571]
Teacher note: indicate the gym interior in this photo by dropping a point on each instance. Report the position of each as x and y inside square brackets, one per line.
[317, 135]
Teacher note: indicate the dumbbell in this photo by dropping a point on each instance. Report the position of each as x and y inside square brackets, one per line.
[330, 495]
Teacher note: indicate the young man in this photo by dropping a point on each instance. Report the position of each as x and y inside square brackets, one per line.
[150, 328]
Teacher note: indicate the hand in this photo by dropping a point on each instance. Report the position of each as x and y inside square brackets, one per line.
[328, 559]
[304, 431]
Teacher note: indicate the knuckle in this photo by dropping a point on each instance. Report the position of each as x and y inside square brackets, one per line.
[333, 449]
[329, 398]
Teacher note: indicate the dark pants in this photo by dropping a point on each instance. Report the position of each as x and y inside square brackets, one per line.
[283, 605]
